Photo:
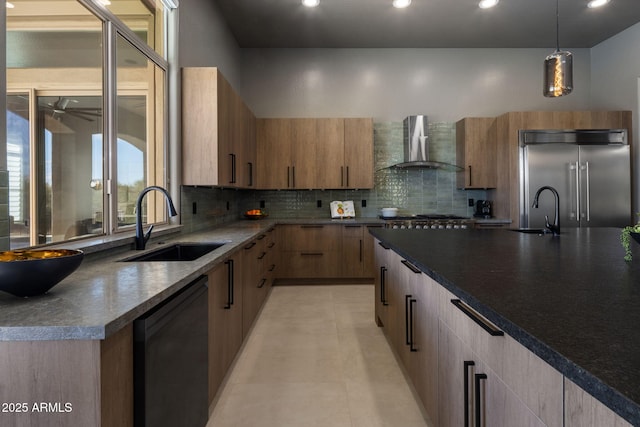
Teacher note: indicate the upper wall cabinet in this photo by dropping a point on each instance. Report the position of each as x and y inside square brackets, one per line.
[326, 153]
[476, 153]
[218, 132]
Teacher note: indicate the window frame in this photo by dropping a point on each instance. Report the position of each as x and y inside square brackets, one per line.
[112, 28]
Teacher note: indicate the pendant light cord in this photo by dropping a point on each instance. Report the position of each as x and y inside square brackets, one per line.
[557, 27]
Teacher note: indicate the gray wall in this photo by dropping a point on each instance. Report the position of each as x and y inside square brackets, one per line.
[615, 84]
[390, 84]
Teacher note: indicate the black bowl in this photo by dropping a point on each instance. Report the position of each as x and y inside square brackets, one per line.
[27, 273]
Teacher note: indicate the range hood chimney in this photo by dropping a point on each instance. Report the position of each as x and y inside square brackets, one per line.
[416, 146]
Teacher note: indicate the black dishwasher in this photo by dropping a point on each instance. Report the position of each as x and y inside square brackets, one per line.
[171, 361]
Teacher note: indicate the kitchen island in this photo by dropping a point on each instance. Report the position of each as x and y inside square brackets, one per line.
[571, 300]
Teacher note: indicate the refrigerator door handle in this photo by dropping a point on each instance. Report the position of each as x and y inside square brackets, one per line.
[588, 192]
[577, 191]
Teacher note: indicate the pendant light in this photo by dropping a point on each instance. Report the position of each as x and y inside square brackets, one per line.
[558, 68]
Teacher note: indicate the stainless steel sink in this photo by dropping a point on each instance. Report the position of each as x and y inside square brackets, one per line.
[531, 230]
[176, 252]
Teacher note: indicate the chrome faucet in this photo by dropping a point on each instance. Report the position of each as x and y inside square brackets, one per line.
[555, 227]
[141, 239]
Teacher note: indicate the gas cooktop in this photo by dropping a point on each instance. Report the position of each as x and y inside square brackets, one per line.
[423, 216]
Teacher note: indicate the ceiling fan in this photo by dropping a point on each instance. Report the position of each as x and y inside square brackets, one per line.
[61, 107]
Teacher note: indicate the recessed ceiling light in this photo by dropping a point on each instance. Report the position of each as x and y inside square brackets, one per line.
[311, 3]
[486, 4]
[597, 3]
[10, 5]
[399, 4]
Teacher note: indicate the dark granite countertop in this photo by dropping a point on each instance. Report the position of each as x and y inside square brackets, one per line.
[572, 299]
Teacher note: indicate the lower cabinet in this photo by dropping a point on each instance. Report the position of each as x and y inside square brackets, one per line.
[225, 321]
[255, 282]
[582, 409]
[325, 251]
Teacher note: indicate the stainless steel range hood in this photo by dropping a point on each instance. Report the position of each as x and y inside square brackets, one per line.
[416, 146]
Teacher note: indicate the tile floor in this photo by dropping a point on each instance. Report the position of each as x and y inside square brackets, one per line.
[316, 358]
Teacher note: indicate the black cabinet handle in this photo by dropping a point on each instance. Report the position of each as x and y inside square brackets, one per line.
[250, 245]
[484, 324]
[361, 250]
[262, 255]
[233, 169]
[262, 236]
[406, 319]
[412, 347]
[230, 289]
[288, 176]
[262, 282]
[411, 266]
[467, 365]
[347, 176]
[272, 244]
[341, 176]
[384, 246]
[478, 405]
[273, 267]
[293, 176]
[250, 174]
[312, 226]
[469, 175]
[311, 253]
[383, 291]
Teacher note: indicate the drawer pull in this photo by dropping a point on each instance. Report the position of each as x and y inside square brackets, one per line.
[311, 253]
[262, 255]
[250, 245]
[273, 267]
[383, 285]
[467, 365]
[411, 341]
[272, 244]
[406, 319]
[479, 411]
[312, 226]
[411, 266]
[384, 246]
[262, 236]
[262, 282]
[484, 324]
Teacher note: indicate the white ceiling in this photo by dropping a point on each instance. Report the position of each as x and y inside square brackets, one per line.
[424, 24]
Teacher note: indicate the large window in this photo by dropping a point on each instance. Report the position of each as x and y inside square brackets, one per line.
[78, 156]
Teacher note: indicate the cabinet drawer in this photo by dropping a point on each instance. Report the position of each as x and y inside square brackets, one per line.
[310, 264]
[310, 238]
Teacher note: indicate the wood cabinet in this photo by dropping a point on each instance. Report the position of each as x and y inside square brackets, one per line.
[582, 409]
[88, 382]
[317, 252]
[408, 311]
[357, 251]
[218, 132]
[253, 279]
[516, 387]
[315, 153]
[476, 153]
[310, 251]
[225, 320]
[382, 255]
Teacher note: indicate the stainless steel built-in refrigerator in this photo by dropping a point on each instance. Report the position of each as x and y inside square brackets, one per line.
[590, 169]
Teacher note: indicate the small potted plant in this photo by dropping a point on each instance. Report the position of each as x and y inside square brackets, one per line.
[631, 231]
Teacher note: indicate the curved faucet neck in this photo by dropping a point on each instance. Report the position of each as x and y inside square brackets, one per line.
[142, 238]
